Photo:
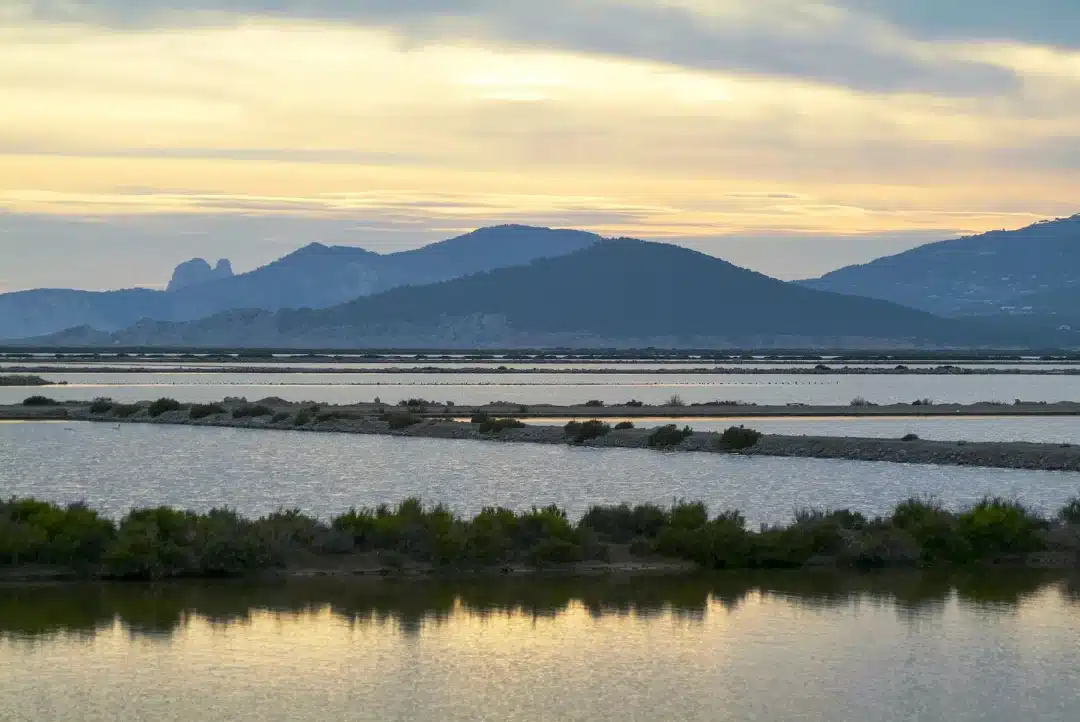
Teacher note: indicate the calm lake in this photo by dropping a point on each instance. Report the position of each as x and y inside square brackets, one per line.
[257, 472]
[537, 388]
[774, 649]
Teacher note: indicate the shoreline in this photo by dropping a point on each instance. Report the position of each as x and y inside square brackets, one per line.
[501, 370]
[371, 419]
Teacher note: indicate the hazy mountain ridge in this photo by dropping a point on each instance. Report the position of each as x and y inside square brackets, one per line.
[617, 293]
[996, 273]
[315, 276]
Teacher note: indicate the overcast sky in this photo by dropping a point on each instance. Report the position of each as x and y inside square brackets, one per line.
[792, 136]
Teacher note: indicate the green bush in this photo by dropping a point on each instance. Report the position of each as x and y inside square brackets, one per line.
[594, 403]
[666, 437]
[480, 417]
[124, 411]
[634, 404]
[1070, 513]
[735, 438]
[251, 411]
[38, 401]
[579, 432]
[101, 405]
[280, 416]
[202, 411]
[161, 406]
[624, 425]
[909, 437]
[496, 426]
[996, 527]
[399, 421]
[303, 418]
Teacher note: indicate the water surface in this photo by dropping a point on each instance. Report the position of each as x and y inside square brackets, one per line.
[256, 472]
[817, 649]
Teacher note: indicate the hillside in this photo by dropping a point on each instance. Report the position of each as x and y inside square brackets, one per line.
[989, 274]
[615, 293]
[315, 276]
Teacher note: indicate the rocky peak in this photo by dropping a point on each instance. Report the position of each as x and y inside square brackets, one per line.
[196, 271]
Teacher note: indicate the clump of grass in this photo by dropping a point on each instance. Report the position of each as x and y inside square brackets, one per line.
[669, 436]
[578, 432]
[125, 411]
[101, 405]
[251, 411]
[624, 425]
[399, 421]
[497, 426]
[162, 406]
[202, 411]
[736, 438]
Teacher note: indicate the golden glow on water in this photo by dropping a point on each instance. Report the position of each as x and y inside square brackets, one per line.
[776, 655]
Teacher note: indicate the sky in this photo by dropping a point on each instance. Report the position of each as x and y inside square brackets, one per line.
[790, 136]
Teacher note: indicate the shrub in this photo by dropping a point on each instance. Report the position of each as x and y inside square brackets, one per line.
[675, 400]
[163, 405]
[998, 526]
[634, 404]
[739, 437]
[496, 426]
[594, 403]
[279, 417]
[303, 418]
[251, 411]
[480, 417]
[38, 401]
[1070, 513]
[201, 411]
[399, 421]
[909, 437]
[124, 411]
[624, 425]
[101, 405]
[330, 415]
[579, 432]
[860, 401]
[666, 437]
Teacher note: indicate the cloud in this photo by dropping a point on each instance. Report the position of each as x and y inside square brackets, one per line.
[788, 38]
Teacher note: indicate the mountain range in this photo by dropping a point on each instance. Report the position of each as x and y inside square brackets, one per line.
[315, 276]
[1031, 272]
[613, 293]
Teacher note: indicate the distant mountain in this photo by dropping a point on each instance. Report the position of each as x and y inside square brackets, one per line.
[994, 273]
[315, 276]
[196, 271]
[617, 293]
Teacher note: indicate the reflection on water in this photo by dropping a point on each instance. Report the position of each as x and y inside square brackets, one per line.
[31, 612]
[823, 648]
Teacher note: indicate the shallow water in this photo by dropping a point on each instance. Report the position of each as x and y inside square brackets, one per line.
[1038, 429]
[817, 649]
[256, 472]
[556, 388]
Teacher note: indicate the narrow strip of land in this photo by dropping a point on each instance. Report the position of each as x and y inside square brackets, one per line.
[488, 425]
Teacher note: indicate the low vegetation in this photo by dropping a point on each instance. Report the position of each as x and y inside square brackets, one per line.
[670, 436]
[101, 405]
[624, 425]
[400, 420]
[251, 411]
[162, 406]
[23, 380]
[497, 426]
[736, 438]
[162, 543]
[38, 401]
[578, 432]
[202, 411]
